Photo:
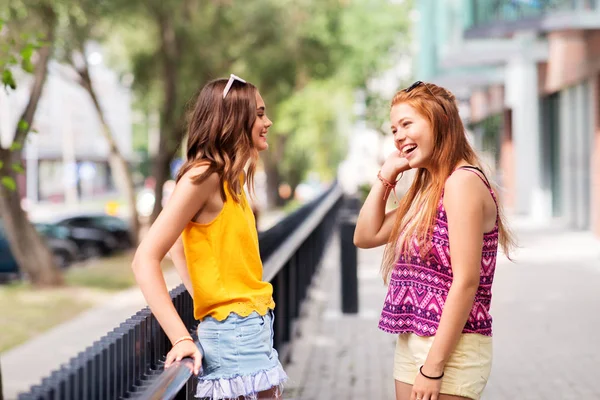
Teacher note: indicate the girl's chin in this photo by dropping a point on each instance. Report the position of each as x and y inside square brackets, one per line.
[262, 146]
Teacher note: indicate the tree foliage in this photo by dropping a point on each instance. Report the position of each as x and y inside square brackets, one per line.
[29, 29]
[306, 57]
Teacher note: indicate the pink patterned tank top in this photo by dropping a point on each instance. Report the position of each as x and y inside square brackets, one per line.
[418, 287]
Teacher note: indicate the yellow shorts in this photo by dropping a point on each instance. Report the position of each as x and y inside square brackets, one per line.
[466, 372]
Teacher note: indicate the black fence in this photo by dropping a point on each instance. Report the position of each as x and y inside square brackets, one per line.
[128, 363]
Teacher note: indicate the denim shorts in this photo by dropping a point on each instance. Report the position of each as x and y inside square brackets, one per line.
[238, 357]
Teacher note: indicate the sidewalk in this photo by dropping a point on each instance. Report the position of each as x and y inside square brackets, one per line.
[546, 327]
[343, 356]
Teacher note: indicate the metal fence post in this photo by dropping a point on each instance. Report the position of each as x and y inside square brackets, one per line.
[349, 256]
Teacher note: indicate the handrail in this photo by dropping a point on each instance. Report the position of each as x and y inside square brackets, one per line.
[293, 250]
[170, 381]
[278, 259]
[128, 362]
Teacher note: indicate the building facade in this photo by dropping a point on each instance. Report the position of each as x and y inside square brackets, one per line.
[529, 73]
[66, 159]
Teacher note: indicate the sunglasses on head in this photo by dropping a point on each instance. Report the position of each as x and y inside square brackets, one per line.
[232, 78]
[419, 83]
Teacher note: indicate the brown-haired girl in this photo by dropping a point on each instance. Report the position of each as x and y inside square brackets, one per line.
[209, 229]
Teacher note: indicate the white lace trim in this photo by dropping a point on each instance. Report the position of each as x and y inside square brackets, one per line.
[247, 386]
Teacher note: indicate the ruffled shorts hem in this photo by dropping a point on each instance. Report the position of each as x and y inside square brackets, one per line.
[248, 386]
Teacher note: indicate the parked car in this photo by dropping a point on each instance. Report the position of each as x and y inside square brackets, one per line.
[8, 264]
[63, 250]
[89, 244]
[97, 234]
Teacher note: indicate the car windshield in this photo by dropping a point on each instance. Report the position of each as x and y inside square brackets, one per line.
[110, 222]
[50, 230]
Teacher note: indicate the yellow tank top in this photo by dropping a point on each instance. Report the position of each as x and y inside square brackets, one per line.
[224, 263]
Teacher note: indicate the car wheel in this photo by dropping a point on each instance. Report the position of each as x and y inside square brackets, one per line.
[91, 251]
[127, 243]
[61, 259]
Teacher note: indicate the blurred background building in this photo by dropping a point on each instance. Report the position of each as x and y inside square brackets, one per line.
[527, 74]
[67, 158]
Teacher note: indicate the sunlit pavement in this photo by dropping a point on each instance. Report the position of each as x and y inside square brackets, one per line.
[546, 325]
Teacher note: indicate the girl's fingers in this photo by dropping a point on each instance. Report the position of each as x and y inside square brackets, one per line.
[168, 360]
[197, 362]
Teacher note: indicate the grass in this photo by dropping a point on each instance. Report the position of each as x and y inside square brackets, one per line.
[111, 273]
[26, 311]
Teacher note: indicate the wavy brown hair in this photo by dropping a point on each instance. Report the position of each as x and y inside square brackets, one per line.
[220, 135]
[416, 211]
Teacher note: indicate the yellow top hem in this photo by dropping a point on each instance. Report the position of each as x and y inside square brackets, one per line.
[241, 309]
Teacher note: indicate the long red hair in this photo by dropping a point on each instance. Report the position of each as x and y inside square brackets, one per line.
[415, 215]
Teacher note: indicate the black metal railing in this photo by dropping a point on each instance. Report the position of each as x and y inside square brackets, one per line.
[291, 267]
[128, 363]
[486, 12]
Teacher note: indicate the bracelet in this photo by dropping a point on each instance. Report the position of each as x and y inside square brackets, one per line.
[182, 339]
[430, 377]
[389, 186]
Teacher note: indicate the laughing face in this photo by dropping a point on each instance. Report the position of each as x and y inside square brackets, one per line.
[413, 135]
[262, 123]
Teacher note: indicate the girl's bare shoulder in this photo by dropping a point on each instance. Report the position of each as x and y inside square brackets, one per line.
[210, 183]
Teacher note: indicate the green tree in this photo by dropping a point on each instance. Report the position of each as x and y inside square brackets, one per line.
[307, 66]
[86, 22]
[287, 48]
[289, 44]
[317, 144]
[40, 19]
[174, 47]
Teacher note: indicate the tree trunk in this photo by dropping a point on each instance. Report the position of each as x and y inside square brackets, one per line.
[120, 168]
[295, 180]
[118, 163]
[271, 160]
[28, 248]
[273, 183]
[160, 172]
[171, 130]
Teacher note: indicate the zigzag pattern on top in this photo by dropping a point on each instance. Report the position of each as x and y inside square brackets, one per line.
[419, 286]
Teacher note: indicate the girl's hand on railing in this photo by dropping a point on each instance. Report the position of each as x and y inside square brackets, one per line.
[186, 348]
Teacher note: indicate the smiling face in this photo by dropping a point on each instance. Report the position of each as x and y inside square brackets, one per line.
[262, 123]
[413, 135]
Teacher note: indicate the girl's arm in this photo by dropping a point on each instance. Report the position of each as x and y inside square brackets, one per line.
[464, 200]
[178, 256]
[374, 226]
[185, 202]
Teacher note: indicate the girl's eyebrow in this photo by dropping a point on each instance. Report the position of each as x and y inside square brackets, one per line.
[401, 120]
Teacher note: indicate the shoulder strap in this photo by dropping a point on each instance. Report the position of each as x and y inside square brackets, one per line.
[482, 176]
[485, 181]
